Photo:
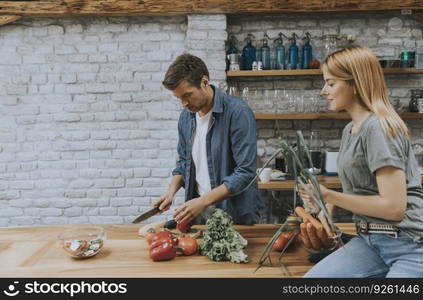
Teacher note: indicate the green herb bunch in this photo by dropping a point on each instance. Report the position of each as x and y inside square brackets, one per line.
[221, 242]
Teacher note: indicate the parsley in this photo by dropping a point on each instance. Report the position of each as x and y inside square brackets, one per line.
[221, 242]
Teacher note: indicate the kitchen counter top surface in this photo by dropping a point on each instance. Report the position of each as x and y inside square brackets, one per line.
[36, 252]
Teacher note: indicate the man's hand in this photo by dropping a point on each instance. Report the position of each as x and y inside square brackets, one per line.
[164, 202]
[189, 210]
[315, 234]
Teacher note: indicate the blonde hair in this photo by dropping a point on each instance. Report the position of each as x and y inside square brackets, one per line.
[359, 66]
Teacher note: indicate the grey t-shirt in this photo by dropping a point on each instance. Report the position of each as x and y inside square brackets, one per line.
[369, 149]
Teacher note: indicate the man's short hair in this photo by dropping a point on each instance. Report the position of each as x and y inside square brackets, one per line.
[185, 67]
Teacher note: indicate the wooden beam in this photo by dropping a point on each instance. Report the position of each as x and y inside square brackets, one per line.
[72, 8]
[8, 19]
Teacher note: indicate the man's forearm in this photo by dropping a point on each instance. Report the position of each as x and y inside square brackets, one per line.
[175, 184]
[216, 195]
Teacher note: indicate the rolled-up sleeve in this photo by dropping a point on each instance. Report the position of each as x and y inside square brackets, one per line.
[382, 150]
[244, 149]
[181, 148]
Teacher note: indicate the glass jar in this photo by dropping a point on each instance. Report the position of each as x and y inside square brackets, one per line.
[330, 44]
[415, 96]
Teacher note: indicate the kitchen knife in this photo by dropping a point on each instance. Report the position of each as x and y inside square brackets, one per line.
[149, 213]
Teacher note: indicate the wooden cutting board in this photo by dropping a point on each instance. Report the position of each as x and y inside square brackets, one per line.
[36, 252]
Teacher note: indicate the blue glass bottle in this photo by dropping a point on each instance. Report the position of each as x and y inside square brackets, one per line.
[248, 53]
[265, 53]
[293, 53]
[307, 53]
[279, 53]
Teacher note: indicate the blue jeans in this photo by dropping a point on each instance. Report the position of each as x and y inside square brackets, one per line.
[373, 255]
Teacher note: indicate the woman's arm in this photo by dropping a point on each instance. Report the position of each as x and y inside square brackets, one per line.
[390, 204]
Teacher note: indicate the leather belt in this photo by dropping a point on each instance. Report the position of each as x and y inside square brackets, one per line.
[366, 227]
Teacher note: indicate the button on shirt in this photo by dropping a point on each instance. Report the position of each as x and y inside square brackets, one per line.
[199, 153]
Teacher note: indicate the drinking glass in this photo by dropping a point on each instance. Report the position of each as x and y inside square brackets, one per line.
[299, 103]
[233, 91]
[420, 105]
[245, 95]
[255, 96]
[268, 103]
[291, 103]
[312, 104]
[279, 101]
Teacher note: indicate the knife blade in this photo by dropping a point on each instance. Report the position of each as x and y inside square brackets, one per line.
[144, 216]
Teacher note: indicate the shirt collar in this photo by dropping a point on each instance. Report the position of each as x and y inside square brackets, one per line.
[217, 100]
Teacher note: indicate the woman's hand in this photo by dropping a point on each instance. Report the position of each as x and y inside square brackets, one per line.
[305, 196]
[315, 233]
[308, 200]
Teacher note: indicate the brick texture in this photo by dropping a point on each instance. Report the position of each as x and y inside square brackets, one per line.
[88, 134]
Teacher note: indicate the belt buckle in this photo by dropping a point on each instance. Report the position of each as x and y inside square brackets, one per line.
[394, 234]
[364, 226]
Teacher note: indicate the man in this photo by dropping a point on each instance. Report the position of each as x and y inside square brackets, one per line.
[217, 148]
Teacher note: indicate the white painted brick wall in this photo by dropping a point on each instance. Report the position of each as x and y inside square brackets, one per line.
[76, 140]
[87, 132]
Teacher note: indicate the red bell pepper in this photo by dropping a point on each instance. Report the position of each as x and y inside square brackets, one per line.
[162, 240]
[162, 251]
[151, 237]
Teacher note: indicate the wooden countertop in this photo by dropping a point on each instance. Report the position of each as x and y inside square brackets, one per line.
[331, 182]
[36, 252]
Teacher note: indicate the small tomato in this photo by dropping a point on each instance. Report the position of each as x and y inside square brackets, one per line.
[183, 227]
[187, 244]
[314, 64]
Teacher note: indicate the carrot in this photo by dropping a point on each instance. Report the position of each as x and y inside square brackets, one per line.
[304, 235]
[320, 230]
[315, 242]
[306, 216]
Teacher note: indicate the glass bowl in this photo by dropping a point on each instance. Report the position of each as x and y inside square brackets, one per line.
[83, 242]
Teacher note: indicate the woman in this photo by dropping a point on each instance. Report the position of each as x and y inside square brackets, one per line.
[379, 174]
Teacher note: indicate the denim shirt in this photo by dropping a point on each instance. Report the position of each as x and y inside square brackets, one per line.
[231, 146]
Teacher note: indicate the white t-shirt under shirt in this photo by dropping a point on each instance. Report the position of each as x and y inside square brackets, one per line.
[199, 153]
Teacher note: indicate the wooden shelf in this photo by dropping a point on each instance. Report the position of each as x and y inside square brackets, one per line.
[274, 73]
[110, 8]
[322, 116]
[312, 72]
[331, 182]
